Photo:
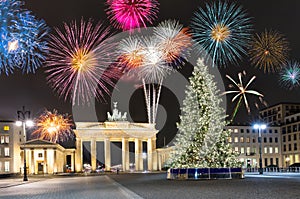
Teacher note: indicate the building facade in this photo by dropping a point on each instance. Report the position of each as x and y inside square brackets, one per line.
[245, 141]
[11, 136]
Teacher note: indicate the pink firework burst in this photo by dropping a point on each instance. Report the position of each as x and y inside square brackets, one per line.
[79, 56]
[131, 14]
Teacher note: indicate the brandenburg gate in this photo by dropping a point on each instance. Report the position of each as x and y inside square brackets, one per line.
[116, 129]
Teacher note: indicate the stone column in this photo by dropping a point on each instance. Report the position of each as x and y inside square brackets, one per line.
[32, 163]
[125, 154]
[154, 155]
[93, 154]
[45, 162]
[149, 154]
[73, 161]
[107, 154]
[78, 155]
[138, 154]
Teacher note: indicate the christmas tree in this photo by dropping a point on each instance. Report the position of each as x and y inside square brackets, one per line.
[202, 140]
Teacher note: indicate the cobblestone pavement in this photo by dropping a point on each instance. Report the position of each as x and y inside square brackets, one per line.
[257, 187]
[69, 187]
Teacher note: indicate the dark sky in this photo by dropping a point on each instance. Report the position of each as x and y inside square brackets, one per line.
[33, 92]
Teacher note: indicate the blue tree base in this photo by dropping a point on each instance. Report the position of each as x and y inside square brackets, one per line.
[205, 173]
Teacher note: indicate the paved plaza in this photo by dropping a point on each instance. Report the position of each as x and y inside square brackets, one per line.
[154, 186]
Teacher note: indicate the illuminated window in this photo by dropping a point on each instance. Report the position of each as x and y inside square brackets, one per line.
[40, 155]
[229, 139]
[276, 150]
[236, 149]
[7, 139]
[266, 150]
[241, 139]
[6, 128]
[271, 150]
[6, 151]
[242, 150]
[235, 130]
[0, 166]
[236, 139]
[6, 166]
[248, 151]
[2, 139]
[248, 140]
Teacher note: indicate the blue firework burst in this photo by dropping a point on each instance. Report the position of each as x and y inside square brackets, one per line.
[290, 75]
[23, 38]
[223, 30]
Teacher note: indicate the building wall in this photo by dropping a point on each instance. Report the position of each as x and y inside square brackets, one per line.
[10, 138]
[245, 140]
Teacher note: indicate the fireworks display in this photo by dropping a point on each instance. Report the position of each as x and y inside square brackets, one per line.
[79, 57]
[290, 75]
[269, 51]
[53, 127]
[174, 40]
[241, 92]
[223, 30]
[131, 14]
[23, 39]
[131, 51]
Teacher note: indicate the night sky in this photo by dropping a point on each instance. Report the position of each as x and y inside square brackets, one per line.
[32, 90]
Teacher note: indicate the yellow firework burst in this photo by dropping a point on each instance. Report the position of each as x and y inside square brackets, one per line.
[269, 51]
[220, 33]
[53, 126]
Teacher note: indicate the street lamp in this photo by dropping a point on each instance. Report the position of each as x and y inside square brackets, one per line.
[260, 127]
[23, 120]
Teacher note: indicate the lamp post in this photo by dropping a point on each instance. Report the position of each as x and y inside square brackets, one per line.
[260, 127]
[23, 120]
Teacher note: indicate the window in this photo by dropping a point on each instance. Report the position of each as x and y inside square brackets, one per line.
[242, 139]
[290, 147]
[236, 149]
[253, 140]
[265, 140]
[284, 147]
[266, 149]
[276, 150]
[270, 149]
[275, 131]
[289, 129]
[248, 150]
[294, 128]
[236, 139]
[40, 155]
[266, 162]
[253, 131]
[6, 151]
[229, 139]
[248, 140]
[276, 139]
[7, 139]
[6, 128]
[283, 138]
[248, 131]
[295, 147]
[283, 130]
[270, 131]
[0, 166]
[289, 138]
[235, 130]
[277, 161]
[295, 136]
[270, 140]
[6, 166]
[271, 161]
[242, 150]
[242, 130]
[2, 139]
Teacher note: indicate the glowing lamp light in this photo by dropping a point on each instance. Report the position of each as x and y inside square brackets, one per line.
[260, 126]
[18, 123]
[29, 123]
